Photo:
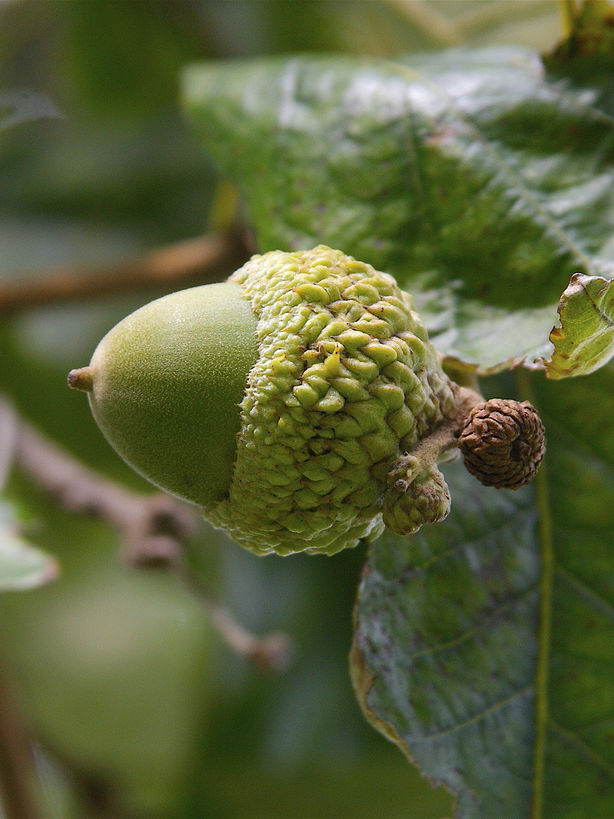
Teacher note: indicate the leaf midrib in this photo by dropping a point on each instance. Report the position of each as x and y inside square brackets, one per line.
[602, 315]
[512, 175]
[549, 566]
[543, 639]
[546, 546]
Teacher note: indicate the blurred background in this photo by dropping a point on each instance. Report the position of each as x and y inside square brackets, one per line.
[136, 707]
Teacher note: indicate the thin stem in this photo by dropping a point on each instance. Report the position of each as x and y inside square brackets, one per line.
[17, 771]
[431, 448]
[569, 13]
[273, 652]
[416, 492]
[152, 526]
[200, 260]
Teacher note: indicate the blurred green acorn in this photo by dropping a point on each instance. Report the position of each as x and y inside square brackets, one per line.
[283, 402]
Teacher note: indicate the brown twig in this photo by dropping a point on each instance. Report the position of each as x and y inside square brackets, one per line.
[17, 770]
[17, 776]
[153, 527]
[155, 531]
[201, 260]
[271, 653]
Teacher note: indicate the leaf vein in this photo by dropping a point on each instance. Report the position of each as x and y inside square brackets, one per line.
[605, 318]
[482, 625]
[416, 181]
[514, 177]
[590, 596]
[544, 628]
[573, 738]
[486, 712]
[488, 535]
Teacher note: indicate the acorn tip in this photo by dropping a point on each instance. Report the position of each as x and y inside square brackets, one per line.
[81, 379]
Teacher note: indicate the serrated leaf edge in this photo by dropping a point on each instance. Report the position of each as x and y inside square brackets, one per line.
[363, 681]
[578, 282]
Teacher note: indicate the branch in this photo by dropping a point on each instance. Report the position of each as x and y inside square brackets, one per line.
[17, 770]
[271, 653]
[153, 527]
[155, 530]
[198, 261]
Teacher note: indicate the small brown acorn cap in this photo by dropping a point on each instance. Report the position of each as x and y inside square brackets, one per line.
[503, 443]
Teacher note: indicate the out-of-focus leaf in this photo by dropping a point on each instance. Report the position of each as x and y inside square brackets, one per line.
[470, 175]
[113, 669]
[150, 181]
[22, 566]
[21, 106]
[133, 68]
[377, 786]
[484, 647]
[585, 58]
[585, 339]
[35, 248]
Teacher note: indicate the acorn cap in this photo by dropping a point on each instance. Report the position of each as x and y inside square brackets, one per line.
[503, 442]
[345, 382]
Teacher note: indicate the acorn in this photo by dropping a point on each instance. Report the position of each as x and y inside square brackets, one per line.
[300, 404]
[165, 386]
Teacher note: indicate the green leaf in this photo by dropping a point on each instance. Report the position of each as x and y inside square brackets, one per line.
[478, 181]
[585, 339]
[446, 646]
[586, 57]
[22, 566]
[484, 647]
[579, 501]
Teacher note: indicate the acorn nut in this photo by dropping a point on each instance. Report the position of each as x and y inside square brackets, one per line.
[280, 401]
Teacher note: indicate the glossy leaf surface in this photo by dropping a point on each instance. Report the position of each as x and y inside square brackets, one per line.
[482, 184]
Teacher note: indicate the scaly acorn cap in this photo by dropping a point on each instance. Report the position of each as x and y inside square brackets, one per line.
[345, 382]
[279, 401]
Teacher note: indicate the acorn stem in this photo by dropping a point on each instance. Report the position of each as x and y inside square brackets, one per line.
[442, 439]
[502, 442]
[81, 379]
[416, 491]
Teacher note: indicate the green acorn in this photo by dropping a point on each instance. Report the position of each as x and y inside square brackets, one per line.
[283, 402]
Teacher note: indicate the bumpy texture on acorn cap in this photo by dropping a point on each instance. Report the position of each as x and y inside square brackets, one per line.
[345, 382]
